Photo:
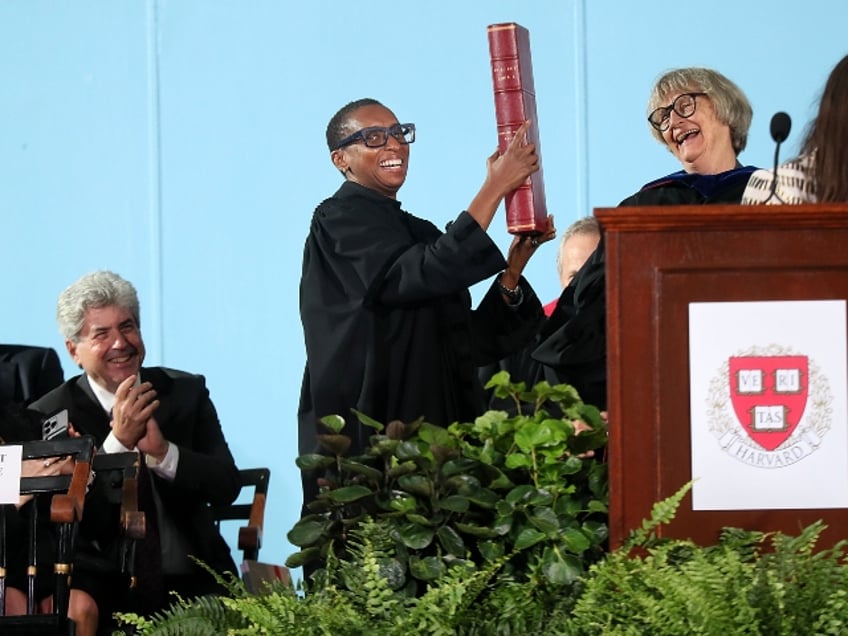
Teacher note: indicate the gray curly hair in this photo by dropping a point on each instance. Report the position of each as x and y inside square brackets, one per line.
[93, 291]
[731, 105]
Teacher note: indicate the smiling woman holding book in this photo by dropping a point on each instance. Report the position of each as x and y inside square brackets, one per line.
[384, 301]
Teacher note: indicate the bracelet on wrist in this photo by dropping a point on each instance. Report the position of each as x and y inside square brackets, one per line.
[515, 295]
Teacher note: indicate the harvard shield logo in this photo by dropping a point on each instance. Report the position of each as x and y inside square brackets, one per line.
[769, 394]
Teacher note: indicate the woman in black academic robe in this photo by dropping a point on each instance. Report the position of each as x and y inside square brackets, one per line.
[384, 302]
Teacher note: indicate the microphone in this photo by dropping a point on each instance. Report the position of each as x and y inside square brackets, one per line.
[780, 126]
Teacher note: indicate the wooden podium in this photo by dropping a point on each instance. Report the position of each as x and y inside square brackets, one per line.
[660, 259]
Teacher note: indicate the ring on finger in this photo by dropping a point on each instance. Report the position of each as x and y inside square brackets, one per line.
[534, 242]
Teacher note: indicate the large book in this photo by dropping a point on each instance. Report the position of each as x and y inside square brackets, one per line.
[515, 102]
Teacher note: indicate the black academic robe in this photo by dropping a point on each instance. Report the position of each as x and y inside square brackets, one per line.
[571, 347]
[387, 318]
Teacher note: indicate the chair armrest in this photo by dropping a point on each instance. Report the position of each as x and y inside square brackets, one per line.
[133, 522]
[67, 508]
[250, 536]
[69, 501]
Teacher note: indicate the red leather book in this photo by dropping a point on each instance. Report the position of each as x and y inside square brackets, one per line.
[515, 101]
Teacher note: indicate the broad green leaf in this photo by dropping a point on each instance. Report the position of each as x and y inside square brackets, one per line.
[427, 569]
[576, 541]
[368, 421]
[407, 450]
[306, 532]
[597, 506]
[450, 541]
[572, 465]
[436, 436]
[456, 466]
[421, 520]
[518, 460]
[597, 530]
[476, 531]
[394, 572]
[503, 524]
[313, 461]
[499, 379]
[598, 480]
[520, 495]
[346, 494]
[488, 454]
[362, 469]
[414, 536]
[399, 501]
[402, 469]
[333, 422]
[528, 537]
[541, 497]
[491, 550]
[383, 446]
[337, 444]
[568, 507]
[483, 497]
[416, 484]
[500, 481]
[454, 503]
[563, 570]
[545, 520]
[463, 484]
[304, 556]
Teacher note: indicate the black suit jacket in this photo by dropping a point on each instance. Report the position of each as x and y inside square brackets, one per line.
[206, 473]
[27, 373]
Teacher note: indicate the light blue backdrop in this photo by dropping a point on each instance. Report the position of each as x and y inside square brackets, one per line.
[180, 143]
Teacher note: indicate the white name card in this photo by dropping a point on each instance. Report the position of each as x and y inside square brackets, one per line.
[10, 474]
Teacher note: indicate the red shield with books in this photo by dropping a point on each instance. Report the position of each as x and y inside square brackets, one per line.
[769, 394]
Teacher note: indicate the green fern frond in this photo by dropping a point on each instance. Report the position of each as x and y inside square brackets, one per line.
[662, 512]
[444, 605]
[204, 616]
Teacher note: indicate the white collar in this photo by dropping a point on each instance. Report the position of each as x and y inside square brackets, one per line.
[107, 399]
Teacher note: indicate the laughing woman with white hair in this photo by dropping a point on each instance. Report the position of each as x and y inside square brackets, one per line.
[703, 119]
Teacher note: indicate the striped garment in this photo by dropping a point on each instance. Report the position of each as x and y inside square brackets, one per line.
[795, 184]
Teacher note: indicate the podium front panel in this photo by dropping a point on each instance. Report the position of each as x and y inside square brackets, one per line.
[660, 260]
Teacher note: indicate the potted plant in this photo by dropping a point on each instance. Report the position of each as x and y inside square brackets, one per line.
[530, 486]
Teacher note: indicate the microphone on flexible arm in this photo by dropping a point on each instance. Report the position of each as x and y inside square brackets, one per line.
[781, 124]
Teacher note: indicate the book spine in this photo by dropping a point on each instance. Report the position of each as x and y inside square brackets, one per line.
[515, 102]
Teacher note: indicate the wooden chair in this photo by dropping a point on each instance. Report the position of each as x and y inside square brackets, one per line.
[120, 471]
[249, 536]
[67, 499]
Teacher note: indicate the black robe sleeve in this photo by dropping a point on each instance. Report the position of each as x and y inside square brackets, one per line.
[387, 317]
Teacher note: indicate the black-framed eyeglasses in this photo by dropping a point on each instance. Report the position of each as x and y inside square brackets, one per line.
[378, 136]
[683, 105]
